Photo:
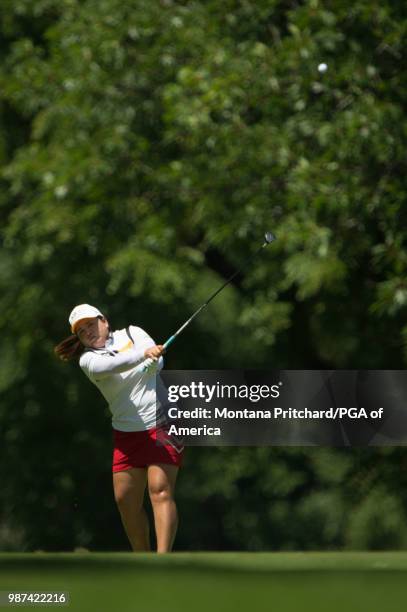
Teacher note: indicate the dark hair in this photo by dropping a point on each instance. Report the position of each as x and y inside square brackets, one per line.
[70, 348]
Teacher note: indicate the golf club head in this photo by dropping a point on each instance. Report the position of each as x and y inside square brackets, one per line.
[269, 237]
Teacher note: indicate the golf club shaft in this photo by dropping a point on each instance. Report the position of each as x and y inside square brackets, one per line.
[171, 339]
[181, 329]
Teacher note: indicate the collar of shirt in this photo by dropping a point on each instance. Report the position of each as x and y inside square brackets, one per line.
[110, 340]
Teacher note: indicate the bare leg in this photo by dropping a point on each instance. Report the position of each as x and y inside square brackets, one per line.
[129, 487]
[161, 486]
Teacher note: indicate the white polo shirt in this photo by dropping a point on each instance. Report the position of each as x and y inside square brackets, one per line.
[117, 371]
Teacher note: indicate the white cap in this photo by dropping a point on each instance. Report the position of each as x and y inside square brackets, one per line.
[82, 311]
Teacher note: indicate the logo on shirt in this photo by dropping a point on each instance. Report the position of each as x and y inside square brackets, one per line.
[126, 347]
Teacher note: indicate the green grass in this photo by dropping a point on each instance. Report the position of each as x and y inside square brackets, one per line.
[292, 582]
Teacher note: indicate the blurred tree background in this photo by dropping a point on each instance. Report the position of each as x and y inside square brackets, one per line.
[145, 147]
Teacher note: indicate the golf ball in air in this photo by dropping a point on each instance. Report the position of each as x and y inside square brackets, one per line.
[322, 67]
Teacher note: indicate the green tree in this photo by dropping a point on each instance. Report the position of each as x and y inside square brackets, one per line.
[145, 146]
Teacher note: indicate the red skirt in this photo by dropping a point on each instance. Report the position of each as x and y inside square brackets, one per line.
[141, 448]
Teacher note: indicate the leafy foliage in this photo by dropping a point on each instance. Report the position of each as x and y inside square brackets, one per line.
[145, 147]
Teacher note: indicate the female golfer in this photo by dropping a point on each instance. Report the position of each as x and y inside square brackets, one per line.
[143, 453]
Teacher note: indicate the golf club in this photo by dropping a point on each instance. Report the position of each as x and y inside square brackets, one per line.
[268, 238]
